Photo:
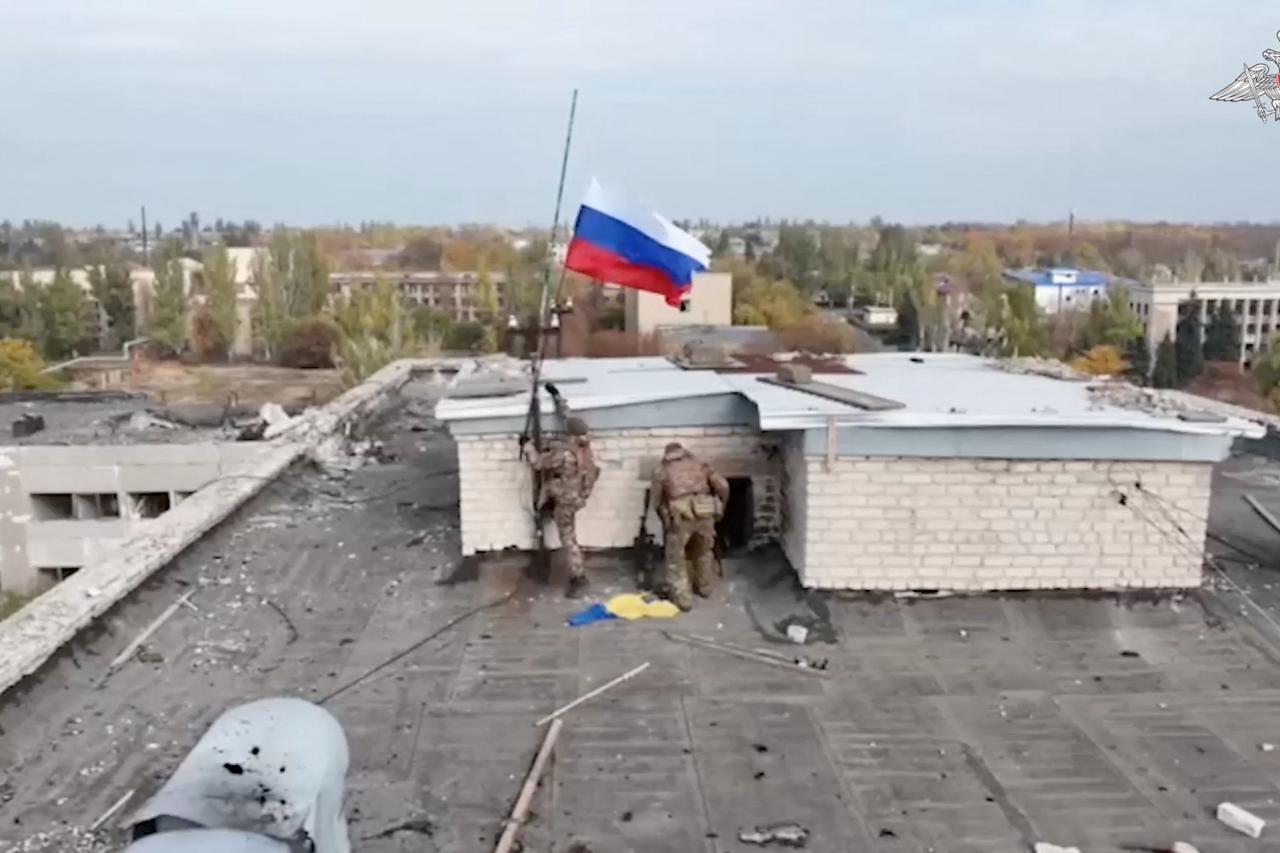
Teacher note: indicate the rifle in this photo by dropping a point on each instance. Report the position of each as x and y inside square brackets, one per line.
[644, 547]
[540, 570]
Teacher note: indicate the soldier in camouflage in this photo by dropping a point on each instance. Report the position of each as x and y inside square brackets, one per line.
[569, 473]
[690, 498]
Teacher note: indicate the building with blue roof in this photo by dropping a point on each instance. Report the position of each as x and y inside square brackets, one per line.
[1064, 288]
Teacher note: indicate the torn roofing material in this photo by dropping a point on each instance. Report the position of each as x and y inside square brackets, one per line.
[275, 766]
[936, 391]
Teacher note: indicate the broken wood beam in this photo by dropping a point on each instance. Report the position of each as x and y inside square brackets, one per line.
[1262, 511]
[767, 658]
[131, 649]
[110, 812]
[594, 693]
[521, 808]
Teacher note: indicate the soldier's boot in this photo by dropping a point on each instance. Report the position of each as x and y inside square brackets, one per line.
[678, 585]
[577, 586]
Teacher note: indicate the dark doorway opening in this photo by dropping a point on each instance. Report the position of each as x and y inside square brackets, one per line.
[735, 529]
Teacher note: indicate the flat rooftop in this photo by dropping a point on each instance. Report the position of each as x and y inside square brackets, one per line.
[952, 724]
[935, 390]
[88, 418]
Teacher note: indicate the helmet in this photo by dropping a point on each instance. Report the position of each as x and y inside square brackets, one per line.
[576, 426]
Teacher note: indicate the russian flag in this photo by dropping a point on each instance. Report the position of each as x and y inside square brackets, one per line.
[622, 243]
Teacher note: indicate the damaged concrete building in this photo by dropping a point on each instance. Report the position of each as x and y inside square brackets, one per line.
[98, 471]
[888, 472]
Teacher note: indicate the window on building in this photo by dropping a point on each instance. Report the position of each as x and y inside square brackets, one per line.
[51, 507]
[150, 504]
[1253, 307]
[57, 574]
[1239, 308]
[1268, 306]
[106, 505]
[1211, 305]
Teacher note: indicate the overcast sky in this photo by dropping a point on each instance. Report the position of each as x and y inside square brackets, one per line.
[318, 111]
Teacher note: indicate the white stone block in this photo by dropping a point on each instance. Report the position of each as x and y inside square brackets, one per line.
[1241, 820]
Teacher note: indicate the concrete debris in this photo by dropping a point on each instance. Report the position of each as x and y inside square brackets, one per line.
[1267, 747]
[797, 634]
[1121, 395]
[1183, 847]
[781, 834]
[72, 839]
[1241, 820]
[1045, 847]
[273, 414]
[1041, 367]
[142, 421]
[27, 425]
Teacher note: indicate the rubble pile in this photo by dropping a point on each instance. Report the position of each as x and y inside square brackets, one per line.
[1124, 396]
[71, 839]
[1031, 366]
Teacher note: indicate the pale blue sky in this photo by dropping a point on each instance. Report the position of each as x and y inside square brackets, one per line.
[316, 111]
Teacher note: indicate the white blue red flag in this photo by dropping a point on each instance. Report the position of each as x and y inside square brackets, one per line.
[622, 243]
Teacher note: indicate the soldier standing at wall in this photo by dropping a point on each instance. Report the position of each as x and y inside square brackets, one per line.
[690, 498]
[569, 473]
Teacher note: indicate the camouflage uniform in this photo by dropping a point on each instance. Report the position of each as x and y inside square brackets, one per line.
[569, 473]
[690, 498]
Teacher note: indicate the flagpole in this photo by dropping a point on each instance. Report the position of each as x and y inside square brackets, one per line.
[533, 420]
[555, 229]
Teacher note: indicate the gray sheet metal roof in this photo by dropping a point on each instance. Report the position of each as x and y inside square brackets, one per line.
[937, 390]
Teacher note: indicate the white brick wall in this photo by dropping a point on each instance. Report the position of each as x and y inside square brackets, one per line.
[982, 524]
[496, 486]
[794, 490]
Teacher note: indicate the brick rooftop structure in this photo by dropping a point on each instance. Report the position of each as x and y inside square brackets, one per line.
[949, 474]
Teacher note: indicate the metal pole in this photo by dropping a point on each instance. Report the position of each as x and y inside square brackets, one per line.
[533, 420]
[555, 221]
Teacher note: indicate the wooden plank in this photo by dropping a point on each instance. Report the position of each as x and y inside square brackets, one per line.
[137, 642]
[1263, 512]
[521, 809]
[559, 712]
[745, 654]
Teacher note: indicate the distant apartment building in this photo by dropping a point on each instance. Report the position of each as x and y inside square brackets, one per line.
[1256, 306]
[710, 303]
[450, 293]
[143, 279]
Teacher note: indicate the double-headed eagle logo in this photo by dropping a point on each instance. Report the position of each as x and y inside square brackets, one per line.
[1256, 83]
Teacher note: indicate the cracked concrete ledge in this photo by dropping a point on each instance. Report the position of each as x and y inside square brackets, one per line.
[33, 634]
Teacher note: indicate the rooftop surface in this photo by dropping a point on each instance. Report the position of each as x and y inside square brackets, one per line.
[83, 421]
[946, 390]
[955, 724]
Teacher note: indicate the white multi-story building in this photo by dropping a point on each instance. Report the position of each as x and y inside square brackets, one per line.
[1256, 306]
